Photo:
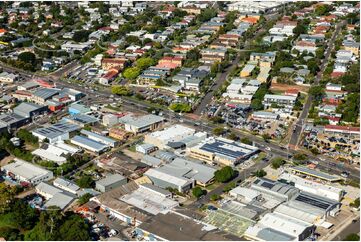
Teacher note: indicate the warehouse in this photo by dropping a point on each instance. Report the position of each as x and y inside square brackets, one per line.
[66, 185]
[99, 138]
[80, 119]
[141, 124]
[29, 110]
[54, 196]
[315, 174]
[12, 121]
[23, 171]
[278, 227]
[278, 190]
[264, 115]
[77, 108]
[224, 151]
[110, 182]
[56, 132]
[89, 144]
[41, 95]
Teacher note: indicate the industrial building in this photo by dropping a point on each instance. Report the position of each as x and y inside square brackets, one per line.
[29, 110]
[41, 95]
[99, 138]
[56, 132]
[56, 152]
[278, 227]
[223, 151]
[80, 119]
[54, 196]
[141, 124]
[66, 185]
[181, 174]
[174, 134]
[303, 170]
[77, 108]
[174, 226]
[110, 182]
[89, 144]
[10, 122]
[23, 171]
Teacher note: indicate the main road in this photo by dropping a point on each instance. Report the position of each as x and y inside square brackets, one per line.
[301, 120]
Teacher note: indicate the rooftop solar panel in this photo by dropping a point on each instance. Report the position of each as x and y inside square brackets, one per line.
[313, 202]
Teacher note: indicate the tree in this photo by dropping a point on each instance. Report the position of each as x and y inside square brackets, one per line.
[27, 57]
[323, 9]
[180, 107]
[10, 234]
[352, 237]
[27, 136]
[356, 203]
[229, 187]
[256, 104]
[316, 92]
[218, 131]
[198, 192]
[207, 14]
[145, 62]
[314, 151]
[300, 156]
[81, 36]
[313, 66]
[121, 90]
[232, 136]
[84, 199]
[131, 73]
[277, 162]
[224, 175]
[260, 173]
[266, 137]
[215, 197]
[246, 141]
[7, 194]
[74, 229]
[85, 181]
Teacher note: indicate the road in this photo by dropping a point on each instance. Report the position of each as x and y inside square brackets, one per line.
[301, 119]
[349, 229]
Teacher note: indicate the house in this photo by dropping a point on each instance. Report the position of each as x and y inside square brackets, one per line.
[113, 63]
[307, 46]
[292, 92]
[108, 77]
[23, 171]
[110, 182]
[247, 70]
[6, 77]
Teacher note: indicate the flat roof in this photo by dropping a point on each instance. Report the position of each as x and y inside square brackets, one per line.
[111, 179]
[97, 136]
[46, 93]
[178, 227]
[60, 200]
[315, 173]
[142, 121]
[66, 183]
[88, 143]
[25, 169]
[24, 108]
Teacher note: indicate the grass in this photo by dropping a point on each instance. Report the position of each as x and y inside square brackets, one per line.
[7, 220]
[212, 186]
[260, 157]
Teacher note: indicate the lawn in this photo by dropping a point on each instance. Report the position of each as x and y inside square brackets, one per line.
[260, 157]
[7, 220]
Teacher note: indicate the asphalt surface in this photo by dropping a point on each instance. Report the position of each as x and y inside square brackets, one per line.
[303, 116]
[352, 228]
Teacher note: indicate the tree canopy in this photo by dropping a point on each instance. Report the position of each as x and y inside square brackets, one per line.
[27, 57]
[121, 90]
[131, 73]
[225, 174]
[198, 192]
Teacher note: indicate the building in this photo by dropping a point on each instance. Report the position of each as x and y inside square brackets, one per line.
[145, 148]
[8, 77]
[54, 196]
[303, 170]
[99, 138]
[345, 130]
[279, 100]
[56, 152]
[177, 227]
[110, 182]
[247, 70]
[224, 151]
[66, 185]
[244, 194]
[56, 132]
[316, 188]
[278, 227]
[29, 110]
[12, 121]
[110, 120]
[23, 171]
[113, 63]
[77, 108]
[141, 124]
[89, 144]
[264, 115]
[41, 95]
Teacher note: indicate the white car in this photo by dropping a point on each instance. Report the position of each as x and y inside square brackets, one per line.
[268, 148]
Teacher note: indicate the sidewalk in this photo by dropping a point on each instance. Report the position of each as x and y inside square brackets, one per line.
[333, 233]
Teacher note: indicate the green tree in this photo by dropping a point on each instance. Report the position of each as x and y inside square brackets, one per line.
[225, 174]
[300, 156]
[266, 137]
[314, 151]
[229, 187]
[316, 91]
[218, 131]
[74, 229]
[277, 162]
[198, 192]
[356, 203]
[323, 9]
[81, 36]
[246, 141]
[121, 90]
[144, 62]
[7, 194]
[256, 104]
[215, 197]
[27, 57]
[84, 199]
[85, 181]
[27, 136]
[131, 73]
[260, 173]
[232, 136]
[180, 107]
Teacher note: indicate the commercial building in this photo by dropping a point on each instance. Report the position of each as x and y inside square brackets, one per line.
[181, 174]
[77, 108]
[23, 171]
[224, 151]
[245, 194]
[316, 188]
[280, 100]
[12, 121]
[110, 182]
[29, 110]
[176, 133]
[315, 174]
[41, 95]
[110, 120]
[141, 124]
[99, 138]
[80, 119]
[264, 115]
[89, 144]
[7, 77]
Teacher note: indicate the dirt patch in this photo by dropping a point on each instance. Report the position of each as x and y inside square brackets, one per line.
[283, 87]
[6, 160]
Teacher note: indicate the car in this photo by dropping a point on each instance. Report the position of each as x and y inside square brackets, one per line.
[268, 148]
[345, 174]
